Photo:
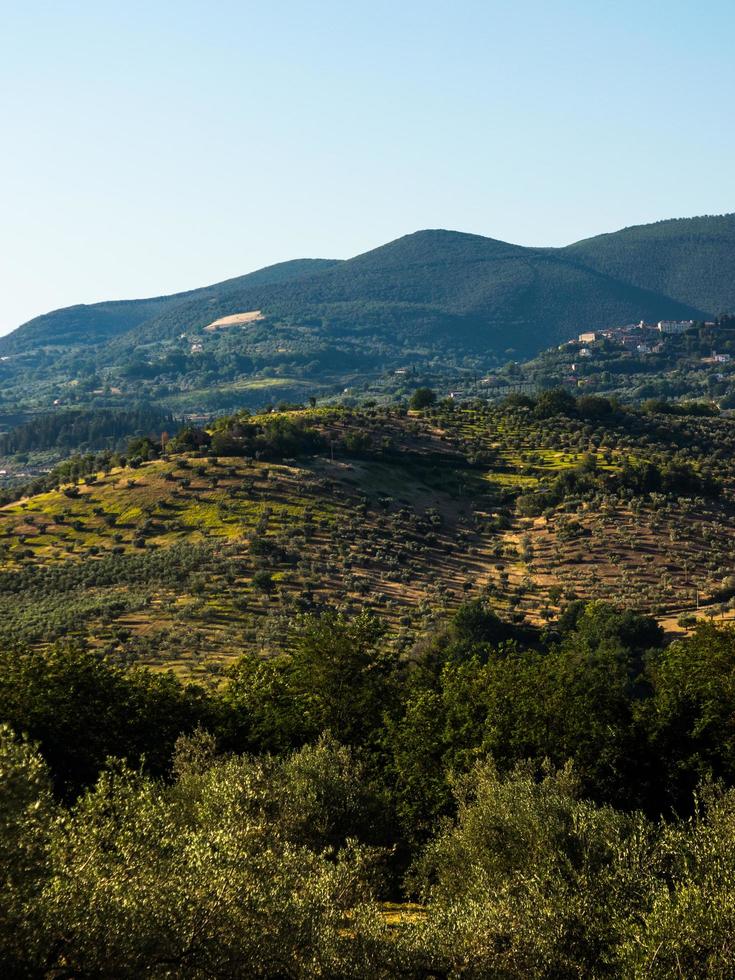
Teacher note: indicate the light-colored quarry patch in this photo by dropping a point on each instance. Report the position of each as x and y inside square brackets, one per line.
[236, 319]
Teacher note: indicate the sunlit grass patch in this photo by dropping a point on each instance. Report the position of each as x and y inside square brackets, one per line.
[511, 479]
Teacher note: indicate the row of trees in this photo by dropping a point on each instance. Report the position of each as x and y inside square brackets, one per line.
[635, 477]
[559, 401]
[77, 429]
[643, 723]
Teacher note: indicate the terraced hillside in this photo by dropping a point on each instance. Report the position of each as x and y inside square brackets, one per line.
[190, 558]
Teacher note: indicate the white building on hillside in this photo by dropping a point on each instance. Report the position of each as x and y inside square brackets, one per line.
[674, 326]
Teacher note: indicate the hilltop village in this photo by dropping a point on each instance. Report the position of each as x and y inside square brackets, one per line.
[678, 360]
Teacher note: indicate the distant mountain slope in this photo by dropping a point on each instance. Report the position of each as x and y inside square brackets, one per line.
[689, 259]
[84, 324]
[97, 323]
[437, 288]
[440, 285]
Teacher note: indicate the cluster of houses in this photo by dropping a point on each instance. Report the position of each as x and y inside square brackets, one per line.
[640, 338]
[630, 335]
[644, 338]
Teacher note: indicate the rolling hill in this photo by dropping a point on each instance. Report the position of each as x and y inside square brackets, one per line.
[188, 558]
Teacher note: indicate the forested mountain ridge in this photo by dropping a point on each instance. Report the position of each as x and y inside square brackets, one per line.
[689, 259]
[667, 269]
[433, 300]
[435, 285]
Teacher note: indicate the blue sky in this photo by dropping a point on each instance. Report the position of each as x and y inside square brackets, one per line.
[154, 147]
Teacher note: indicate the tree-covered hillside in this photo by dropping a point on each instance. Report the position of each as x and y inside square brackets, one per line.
[437, 285]
[692, 260]
[229, 529]
[636, 365]
[439, 281]
[84, 324]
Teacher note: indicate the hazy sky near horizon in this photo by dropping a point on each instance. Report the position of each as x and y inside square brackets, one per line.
[151, 147]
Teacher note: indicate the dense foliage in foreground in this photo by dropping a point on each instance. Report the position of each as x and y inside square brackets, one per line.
[546, 801]
[247, 867]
